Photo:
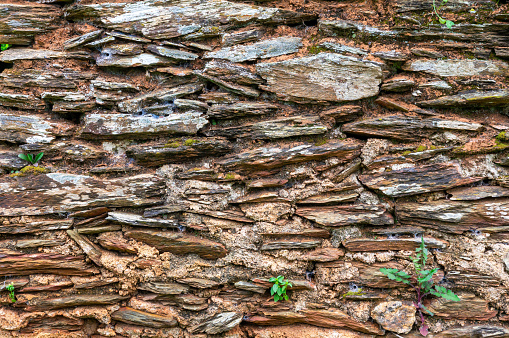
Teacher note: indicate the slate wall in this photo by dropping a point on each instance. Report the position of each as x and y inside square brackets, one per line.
[195, 148]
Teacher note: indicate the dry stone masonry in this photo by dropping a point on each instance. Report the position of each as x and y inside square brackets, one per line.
[193, 149]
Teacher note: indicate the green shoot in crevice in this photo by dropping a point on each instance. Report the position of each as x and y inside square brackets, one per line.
[278, 290]
[33, 159]
[12, 296]
[443, 21]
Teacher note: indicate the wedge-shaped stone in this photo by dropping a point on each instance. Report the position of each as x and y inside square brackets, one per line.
[232, 72]
[331, 318]
[169, 19]
[409, 244]
[136, 104]
[136, 317]
[140, 60]
[221, 322]
[172, 53]
[469, 307]
[491, 98]
[164, 288]
[21, 22]
[273, 129]
[82, 39]
[259, 50]
[417, 180]
[40, 226]
[30, 129]
[324, 255]
[89, 248]
[455, 216]
[460, 68]
[177, 151]
[180, 243]
[268, 158]
[114, 126]
[60, 192]
[230, 39]
[38, 304]
[65, 79]
[137, 220]
[323, 77]
[200, 283]
[231, 87]
[240, 109]
[407, 128]
[29, 264]
[296, 243]
[20, 54]
[343, 215]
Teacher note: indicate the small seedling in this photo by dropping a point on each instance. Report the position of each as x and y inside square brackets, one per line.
[278, 290]
[443, 21]
[33, 159]
[422, 282]
[10, 288]
[4, 46]
[359, 292]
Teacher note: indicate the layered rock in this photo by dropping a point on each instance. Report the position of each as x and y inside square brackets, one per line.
[31, 129]
[21, 22]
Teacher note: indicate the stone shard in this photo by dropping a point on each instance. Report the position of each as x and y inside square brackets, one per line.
[344, 215]
[29, 264]
[259, 50]
[136, 317]
[82, 39]
[417, 180]
[232, 87]
[164, 288]
[19, 54]
[60, 192]
[35, 227]
[137, 220]
[469, 331]
[408, 128]
[38, 304]
[115, 126]
[230, 39]
[170, 19]
[221, 322]
[21, 101]
[296, 243]
[31, 129]
[89, 248]
[231, 72]
[477, 193]
[408, 244]
[395, 316]
[174, 54]
[324, 255]
[272, 129]
[199, 283]
[179, 243]
[21, 22]
[460, 68]
[490, 98]
[268, 158]
[323, 77]
[140, 60]
[403, 6]
[176, 151]
[455, 216]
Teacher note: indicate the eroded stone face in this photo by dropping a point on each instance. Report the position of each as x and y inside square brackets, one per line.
[324, 77]
[395, 316]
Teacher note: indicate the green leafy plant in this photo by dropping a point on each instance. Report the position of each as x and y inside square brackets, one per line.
[10, 288]
[33, 159]
[278, 289]
[443, 21]
[422, 282]
[4, 46]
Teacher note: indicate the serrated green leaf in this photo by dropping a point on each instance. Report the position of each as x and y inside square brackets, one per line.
[449, 24]
[450, 296]
[426, 309]
[403, 274]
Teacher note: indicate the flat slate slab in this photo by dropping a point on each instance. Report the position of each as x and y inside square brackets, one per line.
[29, 264]
[323, 77]
[482, 98]
[459, 68]
[136, 317]
[169, 18]
[31, 129]
[344, 215]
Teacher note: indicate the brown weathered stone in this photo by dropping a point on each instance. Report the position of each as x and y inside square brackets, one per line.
[409, 244]
[90, 213]
[20, 22]
[136, 317]
[114, 241]
[49, 287]
[468, 279]
[91, 283]
[30, 129]
[221, 322]
[406, 128]
[38, 304]
[56, 192]
[477, 193]
[137, 220]
[89, 248]
[240, 109]
[164, 288]
[180, 243]
[343, 215]
[455, 216]
[200, 283]
[343, 113]
[469, 307]
[28, 264]
[324, 255]
[268, 158]
[417, 180]
[296, 243]
[491, 98]
[36, 226]
[36, 243]
[395, 316]
[481, 331]
[65, 79]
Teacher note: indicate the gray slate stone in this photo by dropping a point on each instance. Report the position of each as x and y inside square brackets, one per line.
[259, 50]
[324, 77]
[489, 98]
[462, 68]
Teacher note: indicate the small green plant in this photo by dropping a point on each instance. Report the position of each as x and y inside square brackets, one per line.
[10, 288]
[443, 21]
[359, 292]
[422, 282]
[4, 46]
[278, 290]
[33, 159]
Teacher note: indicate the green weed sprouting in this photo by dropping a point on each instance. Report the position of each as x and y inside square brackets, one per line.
[422, 282]
[4, 46]
[443, 21]
[12, 296]
[278, 290]
[33, 159]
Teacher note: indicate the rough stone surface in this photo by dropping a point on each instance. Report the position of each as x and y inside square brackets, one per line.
[460, 68]
[395, 316]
